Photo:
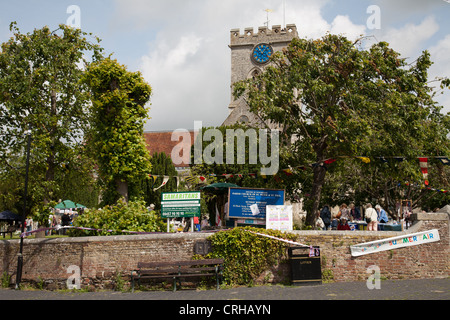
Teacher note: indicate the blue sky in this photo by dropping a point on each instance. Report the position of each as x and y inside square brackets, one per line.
[181, 46]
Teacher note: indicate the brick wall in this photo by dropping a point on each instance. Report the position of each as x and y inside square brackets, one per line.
[101, 258]
[423, 261]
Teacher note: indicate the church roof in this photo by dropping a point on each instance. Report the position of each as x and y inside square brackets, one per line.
[162, 142]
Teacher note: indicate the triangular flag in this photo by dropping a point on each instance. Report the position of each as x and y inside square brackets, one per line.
[364, 159]
[153, 178]
[330, 161]
[190, 179]
[444, 160]
[218, 221]
[165, 180]
[288, 172]
[424, 169]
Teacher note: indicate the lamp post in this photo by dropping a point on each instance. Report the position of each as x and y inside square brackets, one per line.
[24, 213]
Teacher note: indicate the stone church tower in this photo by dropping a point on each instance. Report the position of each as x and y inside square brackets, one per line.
[250, 54]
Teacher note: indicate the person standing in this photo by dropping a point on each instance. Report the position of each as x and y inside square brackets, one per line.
[354, 213]
[382, 215]
[371, 218]
[325, 214]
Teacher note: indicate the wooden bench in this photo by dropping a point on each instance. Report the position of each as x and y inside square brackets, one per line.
[10, 230]
[178, 270]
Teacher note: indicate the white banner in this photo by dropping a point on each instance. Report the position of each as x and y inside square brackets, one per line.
[395, 243]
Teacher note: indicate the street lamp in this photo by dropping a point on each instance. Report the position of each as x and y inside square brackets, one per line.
[24, 213]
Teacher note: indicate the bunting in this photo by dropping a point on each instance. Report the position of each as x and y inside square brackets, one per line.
[364, 159]
[424, 169]
[444, 160]
[423, 161]
[165, 180]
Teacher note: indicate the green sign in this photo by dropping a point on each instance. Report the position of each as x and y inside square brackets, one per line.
[180, 205]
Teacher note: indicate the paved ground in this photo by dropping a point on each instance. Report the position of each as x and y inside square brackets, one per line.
[429, 289]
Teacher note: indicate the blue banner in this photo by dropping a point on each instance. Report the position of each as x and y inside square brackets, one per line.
[251, 203]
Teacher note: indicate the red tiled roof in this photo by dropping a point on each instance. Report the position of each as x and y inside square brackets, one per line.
[162, 142]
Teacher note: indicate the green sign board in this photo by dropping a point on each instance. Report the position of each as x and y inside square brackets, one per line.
[180, 205]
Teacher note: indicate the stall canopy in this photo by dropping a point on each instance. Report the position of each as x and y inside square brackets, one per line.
[219, 188]
[9, 216]
[68, 204]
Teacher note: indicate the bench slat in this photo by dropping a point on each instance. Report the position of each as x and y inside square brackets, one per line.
[180, 263]
[176, 271]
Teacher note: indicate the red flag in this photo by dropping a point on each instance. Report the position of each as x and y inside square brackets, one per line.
[424, 169]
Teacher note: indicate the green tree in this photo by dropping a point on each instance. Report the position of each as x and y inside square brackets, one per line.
[118, 114]
[40, 90]
[341, 100]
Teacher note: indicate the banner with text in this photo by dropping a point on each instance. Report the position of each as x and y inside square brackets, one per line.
[251, 203]
[180, 205]
[395, 243]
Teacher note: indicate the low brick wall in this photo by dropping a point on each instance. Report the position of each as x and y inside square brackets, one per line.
[101, 259]
[417, 262]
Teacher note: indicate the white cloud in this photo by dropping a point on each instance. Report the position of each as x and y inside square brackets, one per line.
[188, 59]
[343, 25]
[441, 67]
[409, 39]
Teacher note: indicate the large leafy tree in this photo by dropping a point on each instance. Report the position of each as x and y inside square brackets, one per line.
[339, 99]
[40, 90]
[118, 114]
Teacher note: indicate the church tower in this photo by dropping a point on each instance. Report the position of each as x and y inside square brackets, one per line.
[250, 54]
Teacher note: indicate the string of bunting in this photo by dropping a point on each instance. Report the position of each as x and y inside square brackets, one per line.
[423, 162]
[58, 228]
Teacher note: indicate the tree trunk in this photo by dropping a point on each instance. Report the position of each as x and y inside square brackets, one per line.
[318, 181]
[122, 189]
[50, 173]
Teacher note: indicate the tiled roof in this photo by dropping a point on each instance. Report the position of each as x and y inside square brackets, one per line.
[162, 142]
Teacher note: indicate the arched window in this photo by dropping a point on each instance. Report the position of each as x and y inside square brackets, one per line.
[244, 119]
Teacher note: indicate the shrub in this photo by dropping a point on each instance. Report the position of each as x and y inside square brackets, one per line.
[131, 216]
[248, 255]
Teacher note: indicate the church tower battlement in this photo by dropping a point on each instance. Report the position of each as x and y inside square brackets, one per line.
[264, 34]
[250, 55]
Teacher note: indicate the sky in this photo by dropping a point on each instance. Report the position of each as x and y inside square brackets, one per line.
[181, 46]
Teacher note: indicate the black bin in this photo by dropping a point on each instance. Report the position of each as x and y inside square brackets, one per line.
[305, 266]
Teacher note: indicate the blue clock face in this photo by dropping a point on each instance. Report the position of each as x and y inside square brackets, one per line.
[262, 53]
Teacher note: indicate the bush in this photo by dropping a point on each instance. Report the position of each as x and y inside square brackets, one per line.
[131, 216]
[248, 255]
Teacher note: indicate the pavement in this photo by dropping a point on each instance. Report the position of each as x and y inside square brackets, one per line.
[261, 302]
[422, 289]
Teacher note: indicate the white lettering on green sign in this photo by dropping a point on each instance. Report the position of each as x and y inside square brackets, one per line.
[181, 196]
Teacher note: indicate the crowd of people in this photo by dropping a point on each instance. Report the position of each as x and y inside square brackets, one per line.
[326, 220]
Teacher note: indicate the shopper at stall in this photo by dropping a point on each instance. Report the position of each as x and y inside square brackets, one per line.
[371, 218]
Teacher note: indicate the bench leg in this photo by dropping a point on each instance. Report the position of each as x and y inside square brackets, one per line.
[174, 284]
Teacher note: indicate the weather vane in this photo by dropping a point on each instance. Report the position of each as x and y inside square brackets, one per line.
[268, 21]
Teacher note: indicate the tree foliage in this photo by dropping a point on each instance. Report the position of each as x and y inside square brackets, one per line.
[131, 216]
[40, 90]
[339, 99]
[118, 114]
